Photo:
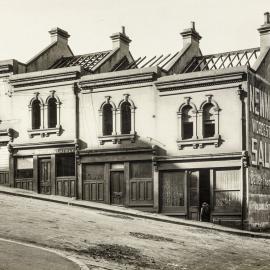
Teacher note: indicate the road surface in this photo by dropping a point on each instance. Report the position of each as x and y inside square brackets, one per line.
[15, 256]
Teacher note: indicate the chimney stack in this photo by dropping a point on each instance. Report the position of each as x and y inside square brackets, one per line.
[58, 34]
[191, 36]
[120, 39]
[264, 31]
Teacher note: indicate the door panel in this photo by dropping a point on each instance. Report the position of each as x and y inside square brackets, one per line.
[117, 188]
[194, 207]
[172, 192]
[45, 176]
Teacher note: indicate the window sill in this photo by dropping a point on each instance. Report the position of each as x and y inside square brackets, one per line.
[117, 138]
[45, 132]
[199, 143]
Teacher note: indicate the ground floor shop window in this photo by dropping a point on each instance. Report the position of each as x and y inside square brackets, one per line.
[65, 165]
[24, 167]
[24, 173]
[227, 195]
[172, 191]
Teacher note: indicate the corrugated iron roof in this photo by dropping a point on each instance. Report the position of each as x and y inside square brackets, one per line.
[223, 60]
[86, 61]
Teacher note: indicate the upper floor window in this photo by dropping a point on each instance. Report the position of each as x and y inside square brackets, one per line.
[117, 123]
[36, 114]
[187, 122]
[208, 121]
[107, 112]
[52, 113]
[125, 118]
[44, 117]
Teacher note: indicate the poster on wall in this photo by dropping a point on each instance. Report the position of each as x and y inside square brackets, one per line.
[259, 148]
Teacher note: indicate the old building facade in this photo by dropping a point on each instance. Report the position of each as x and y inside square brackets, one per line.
[163, 134]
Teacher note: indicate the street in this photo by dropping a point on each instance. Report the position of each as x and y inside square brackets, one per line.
[105, 240]
[14, 256]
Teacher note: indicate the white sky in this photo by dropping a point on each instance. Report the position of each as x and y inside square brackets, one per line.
[153, 25]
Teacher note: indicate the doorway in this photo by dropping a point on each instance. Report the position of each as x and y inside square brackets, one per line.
[117, 187]
[199, 192]
[44, 176]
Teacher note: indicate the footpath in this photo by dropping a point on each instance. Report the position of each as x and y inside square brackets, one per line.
[129, 212]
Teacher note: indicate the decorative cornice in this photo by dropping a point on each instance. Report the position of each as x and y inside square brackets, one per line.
[118, 78]
[199, 79]
[44, 77]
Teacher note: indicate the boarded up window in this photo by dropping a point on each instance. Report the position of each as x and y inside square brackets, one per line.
[52, 113]
[36, 114]
[141, 169]
[93, 182]
[65, 165]
[107, 119]
[93, 172]
[227, 190]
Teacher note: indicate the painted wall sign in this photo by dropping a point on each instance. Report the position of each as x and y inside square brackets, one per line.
[46, 151]
[259, 148]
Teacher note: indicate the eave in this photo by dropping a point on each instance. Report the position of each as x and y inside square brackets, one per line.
[118, 78]
[201, 79]
[44, 77]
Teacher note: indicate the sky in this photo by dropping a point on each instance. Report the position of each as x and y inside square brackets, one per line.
[154, 26]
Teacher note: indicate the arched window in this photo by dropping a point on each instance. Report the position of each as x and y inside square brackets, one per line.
[187, 122]
[107, 124]
[36, 115]
[52, 113]
[125, 118]
[208, 120]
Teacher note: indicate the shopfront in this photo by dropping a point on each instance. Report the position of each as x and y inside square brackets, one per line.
[46, 170]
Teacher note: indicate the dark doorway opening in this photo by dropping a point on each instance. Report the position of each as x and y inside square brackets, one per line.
[204, 188]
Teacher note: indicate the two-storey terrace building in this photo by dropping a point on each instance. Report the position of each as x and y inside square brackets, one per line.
[162, 134]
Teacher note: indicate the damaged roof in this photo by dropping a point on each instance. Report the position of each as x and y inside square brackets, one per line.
[87, 61]
[223, 60]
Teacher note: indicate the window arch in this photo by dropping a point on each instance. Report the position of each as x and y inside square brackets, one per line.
[125, 117]
[52, 112]
[36, 114]
[107, 119]
[187, 122]
[208, 120]
[209, 115]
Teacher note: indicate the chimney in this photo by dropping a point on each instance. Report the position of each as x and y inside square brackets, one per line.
[191, 36]
[58, 34]
[120, 39]
[264, 31]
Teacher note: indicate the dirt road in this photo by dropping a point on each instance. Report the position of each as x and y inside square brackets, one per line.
[113, 241]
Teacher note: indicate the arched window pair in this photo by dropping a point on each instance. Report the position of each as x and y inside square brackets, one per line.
[198, 124]
[44, 115]
[125, 112]
[117, 120]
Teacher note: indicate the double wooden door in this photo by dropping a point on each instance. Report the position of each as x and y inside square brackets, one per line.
[117, 187]
[44, 176]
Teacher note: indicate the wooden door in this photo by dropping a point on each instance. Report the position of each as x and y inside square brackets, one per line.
[173, 192]
[45, 176]
[193, 206]
[117, 187]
